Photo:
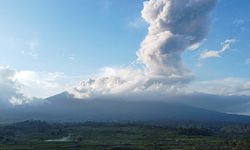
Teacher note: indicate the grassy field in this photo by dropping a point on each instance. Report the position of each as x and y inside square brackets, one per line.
[38, 135]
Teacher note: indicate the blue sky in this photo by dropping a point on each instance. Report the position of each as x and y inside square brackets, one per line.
[96, 33]
[77, 38]
[80, 37]
[230, 20]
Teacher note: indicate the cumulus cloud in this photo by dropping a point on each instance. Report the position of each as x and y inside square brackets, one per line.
[217, 53]
[110, 81]
[127, 81]
[8, 88]
[41, 84]
[174, 26]
[20, 87]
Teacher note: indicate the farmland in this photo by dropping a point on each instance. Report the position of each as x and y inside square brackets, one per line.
[40, 135]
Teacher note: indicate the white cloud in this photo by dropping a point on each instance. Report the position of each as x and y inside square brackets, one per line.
[20, 87]
[174, 26]
[31, 49]
[41, 84]
[72, 57]
[217, 53]
[245, 87]
[15, 45]
[127, 81]
[195, 46]
[110, 81]
[226, 86]
[171, 31]
[8, 87]
[209, 54]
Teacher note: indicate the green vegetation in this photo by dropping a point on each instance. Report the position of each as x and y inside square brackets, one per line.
[39, 135]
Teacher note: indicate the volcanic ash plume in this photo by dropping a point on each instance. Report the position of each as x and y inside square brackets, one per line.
[174, 25]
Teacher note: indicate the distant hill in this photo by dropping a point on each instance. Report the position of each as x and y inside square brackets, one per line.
[64, 107]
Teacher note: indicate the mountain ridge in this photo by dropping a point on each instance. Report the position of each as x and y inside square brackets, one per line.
[63, 107]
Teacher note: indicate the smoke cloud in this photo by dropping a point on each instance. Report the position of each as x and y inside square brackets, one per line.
[174, 25]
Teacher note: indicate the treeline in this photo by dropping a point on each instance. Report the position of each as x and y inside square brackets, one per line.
[182, 127]
[207, 136]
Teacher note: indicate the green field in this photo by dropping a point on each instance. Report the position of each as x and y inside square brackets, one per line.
[38, 135]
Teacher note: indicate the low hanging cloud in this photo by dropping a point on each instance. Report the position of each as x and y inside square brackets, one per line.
[226, 86]
[217, 53]
[245, 87]
[174, 26]
[42, 84]
[21, 87]
[8, 88]
[111, 81]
